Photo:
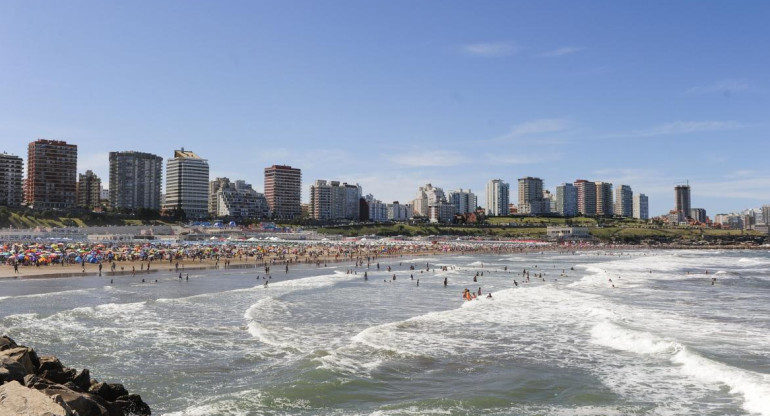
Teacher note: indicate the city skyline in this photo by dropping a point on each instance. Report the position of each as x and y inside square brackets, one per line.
[532, 196]
[394, 100]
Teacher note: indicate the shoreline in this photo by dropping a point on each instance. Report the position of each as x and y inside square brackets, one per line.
[124, 268]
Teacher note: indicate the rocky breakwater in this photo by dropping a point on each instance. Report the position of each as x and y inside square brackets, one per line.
[42, 386]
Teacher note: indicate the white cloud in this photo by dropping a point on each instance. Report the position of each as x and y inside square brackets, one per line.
[567, 50]
[727, 86]
[743, 173]
[532, 132]
[429, 158]
[544, 125]
[681, 127]
[490, 50]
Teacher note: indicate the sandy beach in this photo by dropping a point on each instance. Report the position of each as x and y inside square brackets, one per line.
[275, 258]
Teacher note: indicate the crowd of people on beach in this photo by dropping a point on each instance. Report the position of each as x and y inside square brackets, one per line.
[22, 255]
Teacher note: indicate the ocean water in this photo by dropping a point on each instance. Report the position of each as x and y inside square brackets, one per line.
[319, 341]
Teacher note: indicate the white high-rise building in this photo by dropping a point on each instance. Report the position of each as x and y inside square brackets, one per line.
[332, 200]
[399, 212]
[624, 201]
[236, 200]
[441, 211]
[187, 184]
[766, 214]
[378, 211]
[567, 200]
[641, 207]
[426, 196]
[463, 201]
[497, 198]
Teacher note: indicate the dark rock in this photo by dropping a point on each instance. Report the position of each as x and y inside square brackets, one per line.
[6, 343]
[49, 363]
[74, 387]
[72, 391]
[83, 403]
[58, 400]
[11, 370]
[83, 379]
[109, 392]
[99, 389]
[34, 382]
[118, 390]
[132, 404]
[24, 356]
[61, 376]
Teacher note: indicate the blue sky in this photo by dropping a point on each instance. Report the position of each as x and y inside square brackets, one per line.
[396, 94]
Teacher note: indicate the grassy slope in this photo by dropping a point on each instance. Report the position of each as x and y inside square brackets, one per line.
[18, 220]
[621, 230]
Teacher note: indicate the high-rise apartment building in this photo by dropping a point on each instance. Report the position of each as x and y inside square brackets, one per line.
[586, 197]
[766, 214]
[464, 201]
[283, 190]
[321, 200]
[441, 212]
[89, 190]
[51, 174]
[11, 179]
[641, 207]
[624, 201]
[426, 196]
[566, 200]
[682, 196]
[549, 202]
[698, 214]
[497, 198]
[332, 200]
[531, 196]
[378, 211]
[399, 212]
[604, 205]
[187, 184]
[135, 180]
[236, 200]
[352, 208]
